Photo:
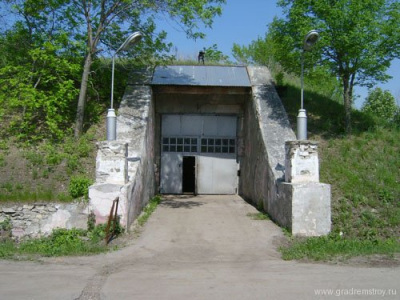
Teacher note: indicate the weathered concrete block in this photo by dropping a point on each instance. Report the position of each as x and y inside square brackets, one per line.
[311, 208]
[101, 200]
[301, 164]
[111, 162]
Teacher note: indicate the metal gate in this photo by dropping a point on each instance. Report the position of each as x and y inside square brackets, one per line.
[211, 140]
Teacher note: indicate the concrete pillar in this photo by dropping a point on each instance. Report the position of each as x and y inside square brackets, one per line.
[301, 164]
[111, 162]
[111, 176]
[310, 200]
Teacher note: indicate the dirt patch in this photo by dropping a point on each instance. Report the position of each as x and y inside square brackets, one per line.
[375, 261]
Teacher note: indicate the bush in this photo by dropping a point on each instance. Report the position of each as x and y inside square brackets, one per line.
[79, 186]
[381, 105]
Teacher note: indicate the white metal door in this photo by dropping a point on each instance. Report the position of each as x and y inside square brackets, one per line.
[212, 140]
[216, 175]
[171, 173]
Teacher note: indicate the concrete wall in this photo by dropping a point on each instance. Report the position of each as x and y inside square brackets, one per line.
[39, 219]
[278, 173]
[125, 168]
[266, 128]
[141, 165]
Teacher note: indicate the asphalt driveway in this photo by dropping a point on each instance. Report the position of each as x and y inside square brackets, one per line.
[204, 247]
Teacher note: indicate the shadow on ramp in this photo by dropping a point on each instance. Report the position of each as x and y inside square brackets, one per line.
[181, 201]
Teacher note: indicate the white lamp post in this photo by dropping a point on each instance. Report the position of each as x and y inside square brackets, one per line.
[111, 117]
[309, 40]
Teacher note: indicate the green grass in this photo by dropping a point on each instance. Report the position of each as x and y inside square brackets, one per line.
[17, 193]
[148, 210]
[363, 169]
[66, 242]
[62, 242]
[258, 216]
[46, 171]
[364, 173]
[330, 247]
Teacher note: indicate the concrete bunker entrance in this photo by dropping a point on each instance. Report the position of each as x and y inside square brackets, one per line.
[263, 140]
[199, 113]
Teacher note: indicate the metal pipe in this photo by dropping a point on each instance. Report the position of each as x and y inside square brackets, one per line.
[302, 80]
[309, 40]
[112, 81]
[111, 125]
[302, 116]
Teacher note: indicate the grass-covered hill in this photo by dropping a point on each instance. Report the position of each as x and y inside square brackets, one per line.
[363, 169]
[48, 171]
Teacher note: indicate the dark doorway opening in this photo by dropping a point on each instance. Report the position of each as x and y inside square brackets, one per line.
[189, 174]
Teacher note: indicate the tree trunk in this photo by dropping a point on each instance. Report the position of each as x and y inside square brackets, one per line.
[347, 97]
[80, 113]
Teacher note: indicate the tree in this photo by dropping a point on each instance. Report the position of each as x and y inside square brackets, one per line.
[264, 51]
[101, 16]
[213, 55]
[36, 94]
[260, 51]
[359, 39]
[103, 24]
[381, 105]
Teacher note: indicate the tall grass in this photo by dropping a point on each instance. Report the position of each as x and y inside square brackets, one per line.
[19, 193]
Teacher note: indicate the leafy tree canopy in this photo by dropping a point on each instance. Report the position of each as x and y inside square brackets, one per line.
[358, 40]
[83, 30]
[213, 55]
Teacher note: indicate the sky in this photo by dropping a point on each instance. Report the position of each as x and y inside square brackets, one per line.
[243, 21]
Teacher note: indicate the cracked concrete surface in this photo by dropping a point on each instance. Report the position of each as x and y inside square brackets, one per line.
[204, 247]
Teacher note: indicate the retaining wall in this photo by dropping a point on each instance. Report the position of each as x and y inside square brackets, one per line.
[266, 128]
[39, 219]
[282, 181]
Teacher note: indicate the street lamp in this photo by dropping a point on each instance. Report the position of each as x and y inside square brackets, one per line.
[309, 40]
[111, 117]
